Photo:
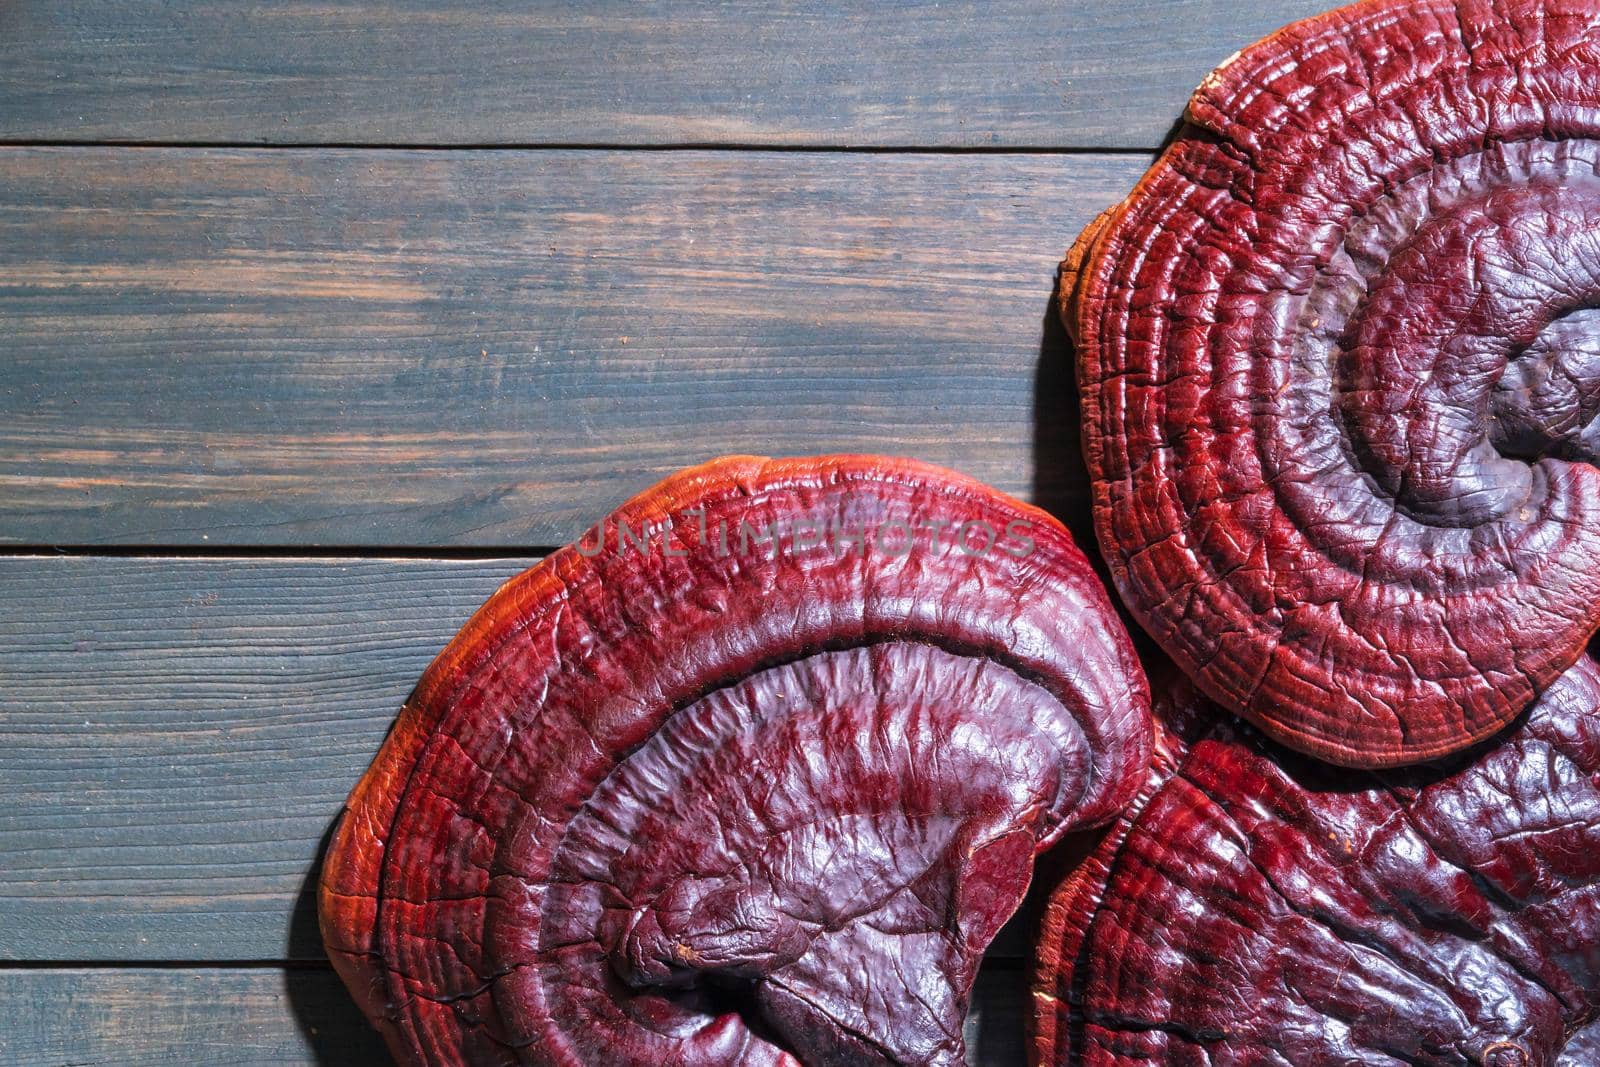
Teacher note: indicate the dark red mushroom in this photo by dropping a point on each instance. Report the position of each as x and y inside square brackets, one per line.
[1340, 361]
[752, 773]
[1257, 907]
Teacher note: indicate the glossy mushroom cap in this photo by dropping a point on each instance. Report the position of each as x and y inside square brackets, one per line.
[1340, 361]
[1257, 907]
[752, 773]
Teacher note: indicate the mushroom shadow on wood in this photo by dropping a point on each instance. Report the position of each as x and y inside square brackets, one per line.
[1060, 482]
[335, 1032]
[1060, 477]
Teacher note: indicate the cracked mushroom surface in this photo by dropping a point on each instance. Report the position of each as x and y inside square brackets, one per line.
[1256, 907]
[1339, 355]
[751, 774]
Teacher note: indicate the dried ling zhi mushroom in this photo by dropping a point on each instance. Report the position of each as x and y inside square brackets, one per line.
[751, 774]
[1340, 362]
[1258, 907]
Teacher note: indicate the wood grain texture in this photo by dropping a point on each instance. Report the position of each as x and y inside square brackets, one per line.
[969, 73]
[373, 348]
[177, 737]
[377, 349]
[230, 1017]
[149, 1017]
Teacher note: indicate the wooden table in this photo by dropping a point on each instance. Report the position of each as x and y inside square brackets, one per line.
[321, 319]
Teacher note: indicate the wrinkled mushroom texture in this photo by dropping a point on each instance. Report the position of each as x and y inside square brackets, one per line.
[707, 803]
[1256, 907]
[1340, 361]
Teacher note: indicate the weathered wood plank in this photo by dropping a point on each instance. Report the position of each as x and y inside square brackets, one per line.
[1019, 73]
[373, 348]
[223, 1017]
[176, 737]
[149, 1017]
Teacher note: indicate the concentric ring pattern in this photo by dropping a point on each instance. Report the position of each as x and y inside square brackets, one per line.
[1340, 361]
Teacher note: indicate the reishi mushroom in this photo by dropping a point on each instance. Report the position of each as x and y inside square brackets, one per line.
[1340, 375]
[750, 774]
[1254, 906]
